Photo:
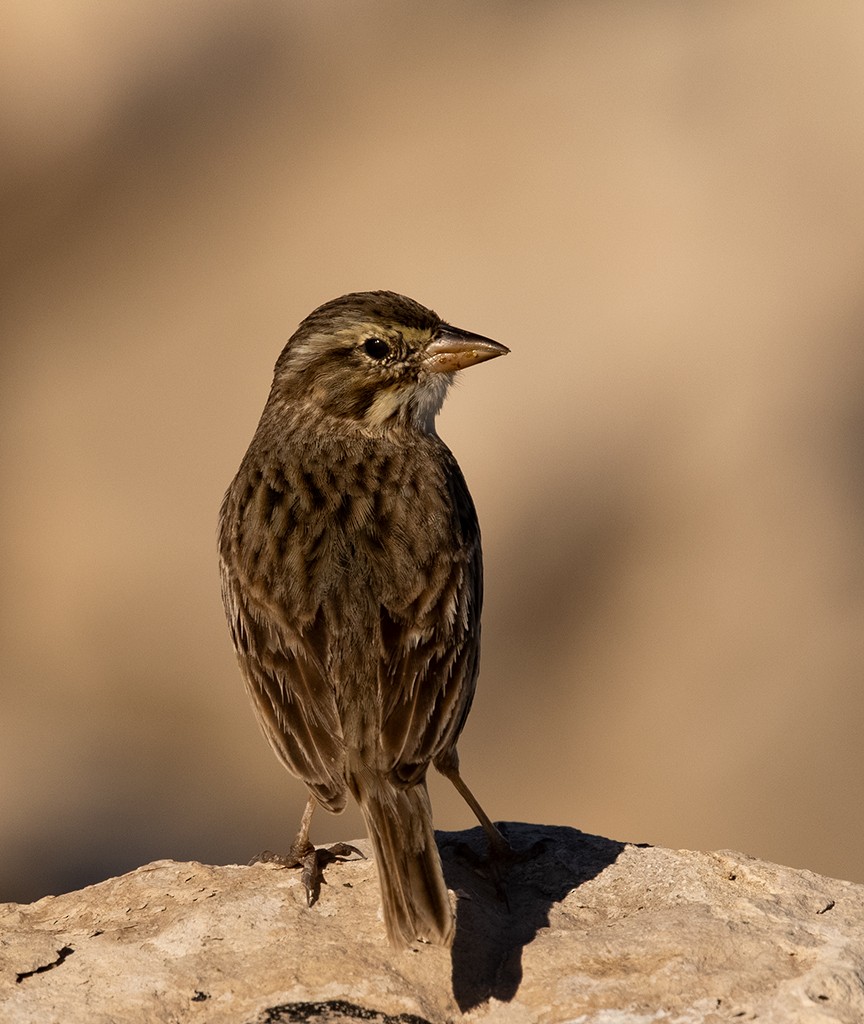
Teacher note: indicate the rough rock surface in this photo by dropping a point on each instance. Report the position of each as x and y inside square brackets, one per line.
[581, 929]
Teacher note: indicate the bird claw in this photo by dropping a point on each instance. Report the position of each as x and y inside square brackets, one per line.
[340, 851]
[311, 861]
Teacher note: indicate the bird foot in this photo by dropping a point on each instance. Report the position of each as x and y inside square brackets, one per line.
[499, 851]
[311, 861]
[500, 859]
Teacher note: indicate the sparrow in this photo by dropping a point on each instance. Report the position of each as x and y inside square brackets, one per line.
[352, 581]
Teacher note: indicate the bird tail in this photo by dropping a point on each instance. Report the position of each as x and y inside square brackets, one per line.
[413, 893]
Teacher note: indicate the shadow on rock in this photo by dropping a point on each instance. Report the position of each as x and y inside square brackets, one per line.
[502, 907]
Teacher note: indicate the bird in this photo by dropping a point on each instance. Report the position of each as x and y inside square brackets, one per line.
[352, 582]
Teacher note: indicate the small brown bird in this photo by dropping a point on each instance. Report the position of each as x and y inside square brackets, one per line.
[352, 581]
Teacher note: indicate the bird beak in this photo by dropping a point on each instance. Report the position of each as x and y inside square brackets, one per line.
[453, 350]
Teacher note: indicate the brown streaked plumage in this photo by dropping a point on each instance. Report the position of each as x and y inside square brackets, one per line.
[352, 581]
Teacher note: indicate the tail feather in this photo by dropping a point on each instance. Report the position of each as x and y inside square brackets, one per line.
[413, 893]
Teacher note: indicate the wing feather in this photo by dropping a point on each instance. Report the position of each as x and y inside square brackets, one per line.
[291, 694]
[429, 662]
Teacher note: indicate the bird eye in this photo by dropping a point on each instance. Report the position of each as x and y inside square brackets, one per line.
[376, 348]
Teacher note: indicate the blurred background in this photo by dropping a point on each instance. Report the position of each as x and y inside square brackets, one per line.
[657, 205]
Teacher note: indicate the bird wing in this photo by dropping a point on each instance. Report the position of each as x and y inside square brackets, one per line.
[429, 697]
[291, 694]
[429, 658]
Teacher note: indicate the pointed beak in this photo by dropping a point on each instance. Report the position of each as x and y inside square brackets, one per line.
[453, 350]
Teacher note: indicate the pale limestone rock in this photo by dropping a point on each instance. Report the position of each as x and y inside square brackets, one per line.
[591, 931]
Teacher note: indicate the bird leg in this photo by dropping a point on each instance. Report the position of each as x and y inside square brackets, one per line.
[303, 854]
[499, 848]
[502, 856]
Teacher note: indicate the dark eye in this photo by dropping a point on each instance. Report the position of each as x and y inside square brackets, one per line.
[376, 348]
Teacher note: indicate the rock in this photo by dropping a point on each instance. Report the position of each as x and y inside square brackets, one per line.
[579, 929]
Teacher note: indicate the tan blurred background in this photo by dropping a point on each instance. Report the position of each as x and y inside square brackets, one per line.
[658, 206]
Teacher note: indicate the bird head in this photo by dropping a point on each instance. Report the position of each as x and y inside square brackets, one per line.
[375, 359]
